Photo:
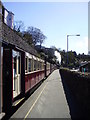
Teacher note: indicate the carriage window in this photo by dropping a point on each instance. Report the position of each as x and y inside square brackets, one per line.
[34, 65]
[26, 64]
[19, 64]
[38, 65]
[42, 66]
[29, 65]
[16, 62]
[14, 65]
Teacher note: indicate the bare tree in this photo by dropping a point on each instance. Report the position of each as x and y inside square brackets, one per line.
[19, 26]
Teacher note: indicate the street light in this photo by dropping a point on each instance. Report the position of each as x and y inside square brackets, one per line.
[67, 45]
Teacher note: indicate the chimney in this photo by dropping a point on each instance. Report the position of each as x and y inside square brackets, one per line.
[6, 16]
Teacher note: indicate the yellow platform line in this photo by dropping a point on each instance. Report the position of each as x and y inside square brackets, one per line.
[34, 102]
[19, 101]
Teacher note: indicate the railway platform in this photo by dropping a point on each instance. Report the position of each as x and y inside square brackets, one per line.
[48, 101]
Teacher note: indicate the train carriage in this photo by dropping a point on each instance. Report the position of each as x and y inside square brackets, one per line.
[20, 67]
[22, 70]
[34, 71]
[1, 78]
[48, 68]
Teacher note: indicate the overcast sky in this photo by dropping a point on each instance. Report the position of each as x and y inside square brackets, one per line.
[56, 20]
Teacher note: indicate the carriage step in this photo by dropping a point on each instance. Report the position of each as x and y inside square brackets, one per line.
[18, 101]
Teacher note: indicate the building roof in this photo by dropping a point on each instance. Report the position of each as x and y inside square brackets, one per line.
[12, 37]
[1, 4]
[84, 63]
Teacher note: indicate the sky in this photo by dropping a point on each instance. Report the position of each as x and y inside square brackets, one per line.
[56, 20]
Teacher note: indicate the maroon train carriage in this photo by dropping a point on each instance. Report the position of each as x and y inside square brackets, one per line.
[21, 72]
[20, 67]
[34, 71]
[48, 68]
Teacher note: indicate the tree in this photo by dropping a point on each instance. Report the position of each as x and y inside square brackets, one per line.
[19, 26]
[32, 35]
[53, 47]
[28, 37]
[37, 35]
[63, 58]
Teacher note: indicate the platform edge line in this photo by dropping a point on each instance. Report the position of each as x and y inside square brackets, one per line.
[34, 102]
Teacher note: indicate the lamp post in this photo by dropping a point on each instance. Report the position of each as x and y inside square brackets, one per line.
[67, 45]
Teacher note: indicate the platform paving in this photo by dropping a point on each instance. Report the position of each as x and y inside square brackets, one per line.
[48, 101]
[2, 115]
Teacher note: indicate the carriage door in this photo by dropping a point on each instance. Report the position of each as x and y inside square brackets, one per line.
[16, 73]
[1, 76]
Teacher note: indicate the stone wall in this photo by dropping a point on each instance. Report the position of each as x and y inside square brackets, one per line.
[79, 85]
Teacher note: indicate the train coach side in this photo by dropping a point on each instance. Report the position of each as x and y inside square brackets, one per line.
[34, 71]
[21, 68]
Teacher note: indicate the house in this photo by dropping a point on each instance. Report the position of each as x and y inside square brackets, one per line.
[85, 67]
